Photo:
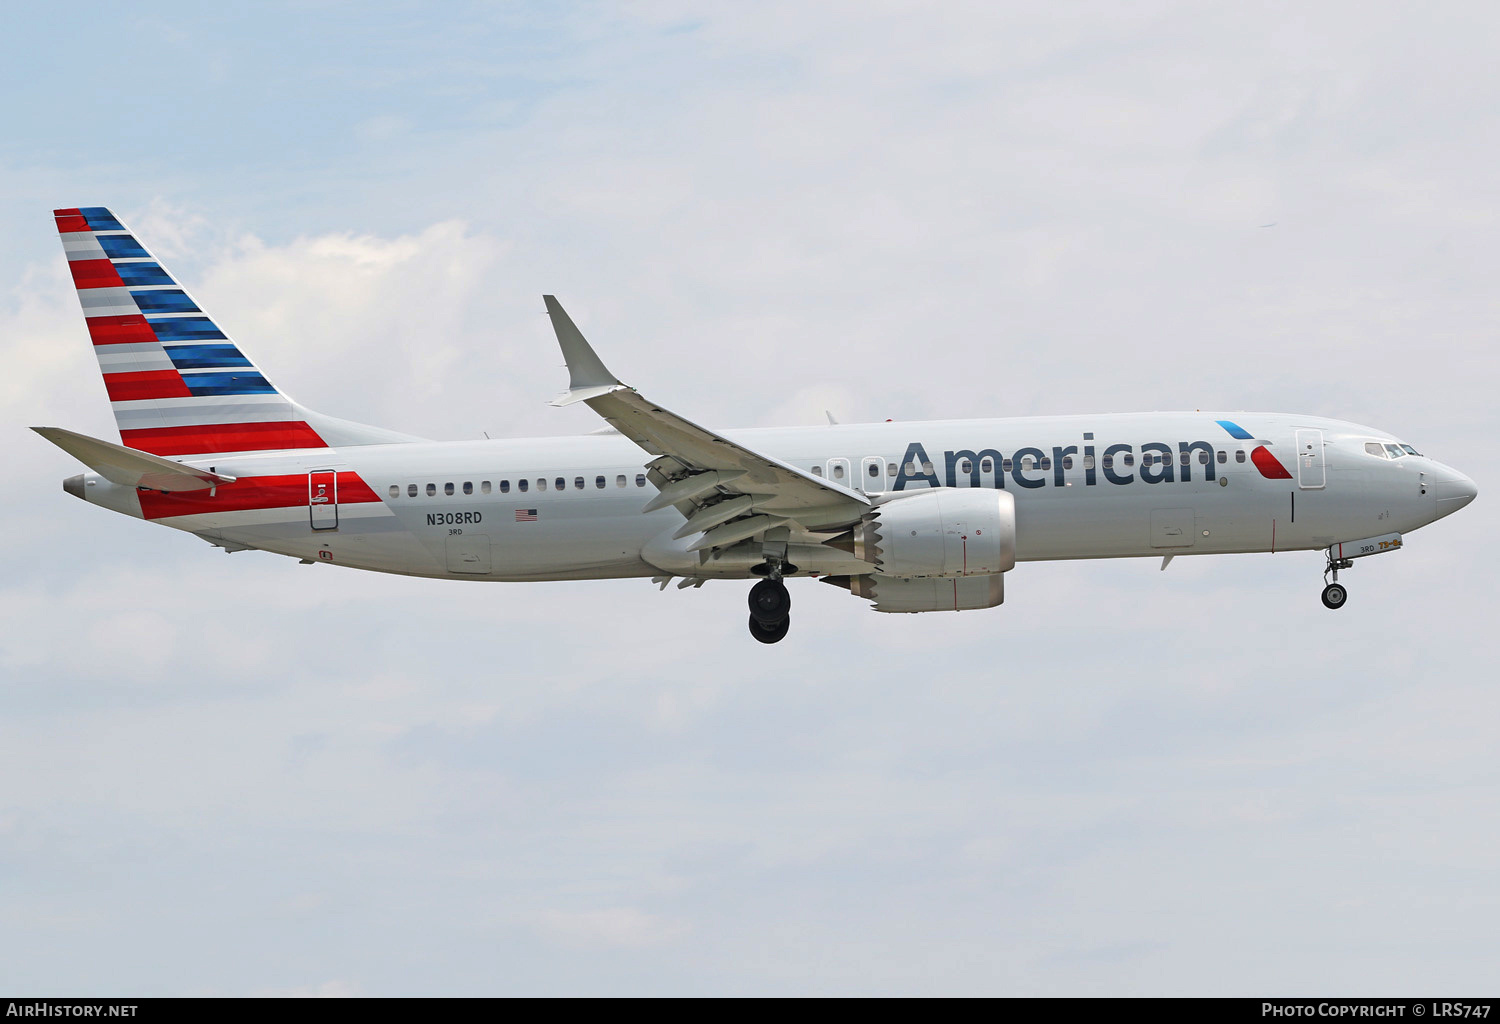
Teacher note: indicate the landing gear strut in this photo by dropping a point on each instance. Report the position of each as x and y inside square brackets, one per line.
[1334, 594]
[770, 610]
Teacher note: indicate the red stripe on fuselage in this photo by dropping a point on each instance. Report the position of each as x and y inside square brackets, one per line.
[223, 437]
[1270, 467]
[132, 387]
[95, 274]
[120, 330]
[254, 492]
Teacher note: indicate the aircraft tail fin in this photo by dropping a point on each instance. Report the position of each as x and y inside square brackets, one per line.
[178, 384]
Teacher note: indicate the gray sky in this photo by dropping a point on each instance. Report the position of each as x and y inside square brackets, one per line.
[234, 775]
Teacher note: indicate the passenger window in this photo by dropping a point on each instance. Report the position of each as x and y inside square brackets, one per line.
[1185, 458]
[1046, 464]
[911, 469]
[1239, 455]
[521, 485]
[504, 486]
[411, 490]
[578, 482]
[1067, 462]
[893, 470]
[966, 466]
[927, 468]
[468, 487]
[599, 482]
[1007, 465]
[1088, 462]
[1202, 457]
[432, 490]
[640, 479]
[395, 490]
[1223, 456]
[620, 480]
[1109, 462]
[484, 487]
[817, 471]
[986, 466]
[448, 489]
[1129, 458]
[838, 471]
[561, 483]
[541, 483]
[874, 469]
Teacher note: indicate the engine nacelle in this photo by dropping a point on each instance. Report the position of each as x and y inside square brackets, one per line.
[958, 594]
[944, 532]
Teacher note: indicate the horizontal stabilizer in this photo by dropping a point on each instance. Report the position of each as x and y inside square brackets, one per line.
[129, 467]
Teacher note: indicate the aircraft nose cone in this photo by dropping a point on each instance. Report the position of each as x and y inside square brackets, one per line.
[1454, 490]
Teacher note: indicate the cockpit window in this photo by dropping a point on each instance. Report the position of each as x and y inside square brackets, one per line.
[1408, 449]
[1376, 449]
[1394, 451]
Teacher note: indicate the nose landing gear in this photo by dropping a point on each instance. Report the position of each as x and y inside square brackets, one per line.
[1334, 594]
[770, 610]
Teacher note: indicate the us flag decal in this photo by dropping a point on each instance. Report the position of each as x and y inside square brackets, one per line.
[525, 515]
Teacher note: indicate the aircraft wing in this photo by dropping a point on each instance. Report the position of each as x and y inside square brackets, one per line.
[728, 492]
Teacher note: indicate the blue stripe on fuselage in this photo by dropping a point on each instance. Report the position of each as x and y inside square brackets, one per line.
[1235, 430]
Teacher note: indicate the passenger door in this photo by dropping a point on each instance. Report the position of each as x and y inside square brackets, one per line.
[872, 478]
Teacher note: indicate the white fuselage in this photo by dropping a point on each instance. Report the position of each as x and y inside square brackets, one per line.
[494, 509]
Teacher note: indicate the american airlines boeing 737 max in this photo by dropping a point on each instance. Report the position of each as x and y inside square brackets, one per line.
[913, 517]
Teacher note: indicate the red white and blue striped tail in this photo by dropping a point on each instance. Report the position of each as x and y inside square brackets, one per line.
[178, 384]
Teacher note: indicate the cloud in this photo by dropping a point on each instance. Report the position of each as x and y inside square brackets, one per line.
[623, 927]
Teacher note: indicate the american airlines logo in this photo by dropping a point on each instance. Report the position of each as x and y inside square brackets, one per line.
[1155, 462]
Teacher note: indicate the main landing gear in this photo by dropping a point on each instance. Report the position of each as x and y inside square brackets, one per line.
[770, 610]
[1334, 594]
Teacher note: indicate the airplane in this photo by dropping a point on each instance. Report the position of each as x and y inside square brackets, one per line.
[912, 517]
